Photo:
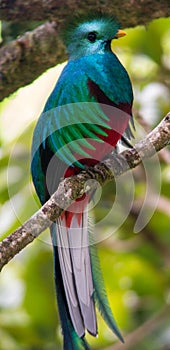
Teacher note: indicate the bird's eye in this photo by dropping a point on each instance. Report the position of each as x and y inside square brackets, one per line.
[92, 37]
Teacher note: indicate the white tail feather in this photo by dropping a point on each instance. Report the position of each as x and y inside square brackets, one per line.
[74, 257]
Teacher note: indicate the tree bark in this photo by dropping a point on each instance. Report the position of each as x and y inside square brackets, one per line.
[72, 188]
[25, 58]
[130, 13]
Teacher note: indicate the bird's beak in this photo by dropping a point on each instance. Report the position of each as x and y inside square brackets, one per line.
[120, 33]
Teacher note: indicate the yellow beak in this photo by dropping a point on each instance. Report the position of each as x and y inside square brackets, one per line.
[120, 33]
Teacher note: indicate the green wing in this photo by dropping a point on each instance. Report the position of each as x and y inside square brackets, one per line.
[71, 116]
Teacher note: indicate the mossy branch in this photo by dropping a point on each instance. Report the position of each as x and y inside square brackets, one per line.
[27, 57]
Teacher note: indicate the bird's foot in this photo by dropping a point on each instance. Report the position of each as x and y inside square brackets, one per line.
[99, 169]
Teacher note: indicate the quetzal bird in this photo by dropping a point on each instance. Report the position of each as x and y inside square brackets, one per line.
[87, 113]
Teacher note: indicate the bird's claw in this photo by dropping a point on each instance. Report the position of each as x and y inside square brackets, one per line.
[97, 169]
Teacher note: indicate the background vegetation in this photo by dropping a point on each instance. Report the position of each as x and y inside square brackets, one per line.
[135, 266]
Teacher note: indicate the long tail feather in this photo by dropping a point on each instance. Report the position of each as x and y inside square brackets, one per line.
[75, 264]
[100, 295]
[82, 272]
[71, 340]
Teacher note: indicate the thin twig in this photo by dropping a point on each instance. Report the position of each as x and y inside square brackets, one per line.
[133, 338]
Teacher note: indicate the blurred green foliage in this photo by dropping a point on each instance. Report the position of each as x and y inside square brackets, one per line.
[135, 266]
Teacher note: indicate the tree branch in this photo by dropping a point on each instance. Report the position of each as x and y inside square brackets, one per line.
[131, 13]
[24, 59]
[72, 188]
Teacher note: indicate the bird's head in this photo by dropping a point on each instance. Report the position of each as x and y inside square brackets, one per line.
[91, 35]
